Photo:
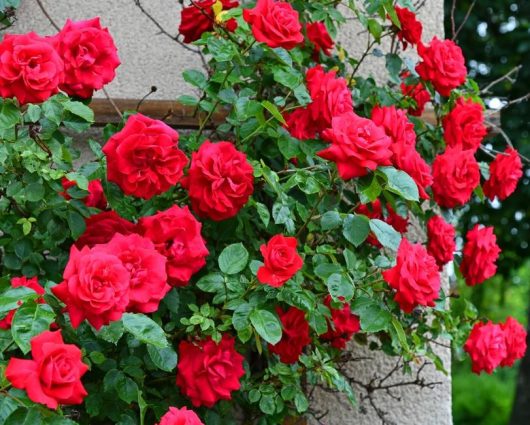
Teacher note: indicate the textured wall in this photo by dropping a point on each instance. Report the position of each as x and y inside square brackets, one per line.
[150, 58]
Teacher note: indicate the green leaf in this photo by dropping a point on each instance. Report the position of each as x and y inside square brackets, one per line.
[233, 258]
[195, 78]
[30, 416]
[212, 282]
[373, 317]
[144, 329]
[273, 109]
[263, 213]
[339, 286]
[11, 298]
[164, 358]
[393, 65]
[330, 220]
[9, 115]
[30, 319]
[287, 77]
[240, 318]
[33, 113]
[385, 234]
[267, 325]
[375, 28]
[80, 110]
[34, 192]
[301, 403]
[111, 332]
[400, 183]
[76, 223]
[356, 228]
[7, 406]
[400, 333]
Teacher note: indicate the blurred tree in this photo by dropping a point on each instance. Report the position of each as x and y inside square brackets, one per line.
[495, 38]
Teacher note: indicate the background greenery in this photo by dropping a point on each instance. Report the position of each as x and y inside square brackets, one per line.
[495, 39]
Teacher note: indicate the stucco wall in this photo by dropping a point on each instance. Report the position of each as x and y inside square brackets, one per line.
[150, 58]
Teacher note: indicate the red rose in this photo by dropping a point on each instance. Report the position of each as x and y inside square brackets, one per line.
[330, 96]
[505, 171]
[208, 372]
[53, 376]
[95, 198]
[30, 68]
[199, 18]
[464, 125]
[144, 158]
[417, 92]
[295, 335]
[515, 338]
[300, 124]
[282, 261]
[443, 64]
[411, 28]
[318, 35]
[375, 210]
[343, 325]
[456, 174]
[275, 23]
[220, 180]
[479, 255]
[486, 346]
[90, 57]
[177, 235]
[182, 416]
[410, 161]
[147, 267]
[17, 282]
[95, 287]
[415, 277]
[357, 145]
[441, 240]
[404, 155]
[101, 227]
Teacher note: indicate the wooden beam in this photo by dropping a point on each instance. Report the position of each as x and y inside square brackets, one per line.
[178, 115]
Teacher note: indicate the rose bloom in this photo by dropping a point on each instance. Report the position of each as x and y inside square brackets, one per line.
[319, 37]
[330, 97]
[220, 180]
[411, 28]
[486, 346]
[90, 57]
[30, 68]
[479, 255]
[295, 335]
[357, 145]
[515, 338]
[410, 161]
[182, 416]
[443, 64]
[17, 282]
[281, 259]
[441, 240]
[176, 234]
[143, 158]
[464, 125]
[417, 92]
[505, 172]
[199, 18]
[456, 174]
[375, 210]
[101, 227]
[147, 267]
[343, 325]
[95, 198]
[300, 124]
[415, 277]
[53, 375]
[275, 23]
[95, 287]
[209, 372]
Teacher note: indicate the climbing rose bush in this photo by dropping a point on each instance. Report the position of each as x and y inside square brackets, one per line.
[200, 276]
